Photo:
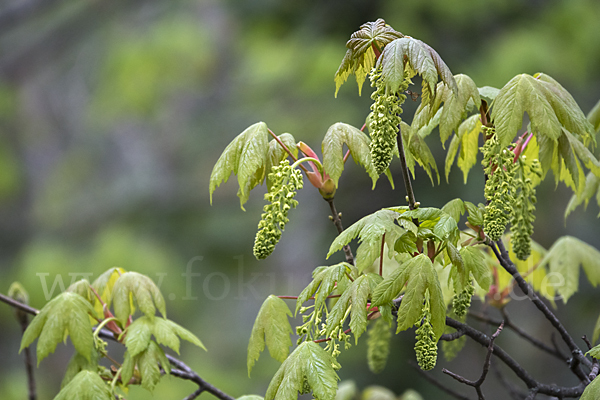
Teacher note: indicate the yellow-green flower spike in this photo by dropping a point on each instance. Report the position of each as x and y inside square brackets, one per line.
[385, 120]
[285, 182]
[499, 188]
[426, 346]
[462, 301]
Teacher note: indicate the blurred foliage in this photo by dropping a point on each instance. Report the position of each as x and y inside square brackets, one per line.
[113, 113]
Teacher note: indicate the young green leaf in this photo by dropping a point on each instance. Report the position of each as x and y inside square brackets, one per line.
[166, 332]
[324, 280]
[104, 285]
[246, 156]
[310, 364]
[65, 315]
[82, 288]
[592, 391]
[467, 137]
[273, 328]
[133, 289]
[86, 385]
[523, 93]
[148, 362]
[596, 333]
[474, 262]
[564, 258]
[417, 147]
[358, 143]
[370, 230]
[488, 93]
[79, 363]
[360, 56]
[454, 208]
[354, 296]
[594, 116]
[455, 104]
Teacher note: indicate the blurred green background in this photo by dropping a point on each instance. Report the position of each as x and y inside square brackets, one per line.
[113, 112]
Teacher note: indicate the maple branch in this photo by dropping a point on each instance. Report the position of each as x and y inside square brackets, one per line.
[504, 259]
[337, 221]
[486, 367]
[182, 370]
[437, 383]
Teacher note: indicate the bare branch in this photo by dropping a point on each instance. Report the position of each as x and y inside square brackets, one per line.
[438, 384]
[337, 221]
[486, 367]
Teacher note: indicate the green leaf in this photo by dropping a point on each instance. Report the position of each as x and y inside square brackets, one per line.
[360, 56]
[148, 363]
[594, 116]
[356, 296]
[276, 153]
[324, 280]
[488, 93]
[455, 208]
[166, 332]
[133, 289]
[407, 56]
[273, 328]
[82, 288]
[246, 156]
[309, 364]
[86, 385]
[65, 315]
[104, 285]
[592, 391]
[564, 258]
[455, 105]
[406, 243]
[77, 364]
[523, 93]
[417, 147]
[591, 188]
[333, 155]
[475, 263]
[475, 217]
[596, 333]
[469, 146]
[370, 230]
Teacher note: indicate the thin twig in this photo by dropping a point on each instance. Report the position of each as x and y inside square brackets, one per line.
[23, 319]
[405, 173]
[337, 221]
[23, 307]
[486, 367]
[438, 384]
[508, 265]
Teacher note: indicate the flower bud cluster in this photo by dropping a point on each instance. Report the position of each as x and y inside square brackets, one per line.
[426, 346]
[285, 182]
[499, 187]
[385, 120]
[462, 301]
[524, 210]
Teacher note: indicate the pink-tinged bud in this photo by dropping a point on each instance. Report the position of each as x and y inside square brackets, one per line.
[328, 189]
[315, 179]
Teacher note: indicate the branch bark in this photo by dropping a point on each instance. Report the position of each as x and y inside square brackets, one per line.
[337, 221]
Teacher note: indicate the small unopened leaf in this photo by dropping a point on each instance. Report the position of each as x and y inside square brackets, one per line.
[273, 328]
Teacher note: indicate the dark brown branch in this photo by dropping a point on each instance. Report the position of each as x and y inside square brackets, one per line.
[507, 264]
[23, 318]
[486, 367]
[182, 370]
[484, 340]
[515, 328]
[438, 384]
[337, 221]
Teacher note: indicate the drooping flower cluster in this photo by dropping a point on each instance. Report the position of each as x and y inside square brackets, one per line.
[378, 347]
[524, 209]
[426, 346]
[462, 301]
[285, 182]
[385, 120]
[499, 187]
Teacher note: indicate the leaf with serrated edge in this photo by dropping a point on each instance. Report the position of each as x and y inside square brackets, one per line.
[357, 141]
[596, 333]
[369, 229]
[356, 296]
[469, 144]
[149, 362]
[564, 258]
[144, 292]
[592, 391]
[307, 362]
[273, 328]
[104, 285]
[474, 262]
[66, 314]
[455, 105]
[324, 280]
[83, 385]
[455, 208]
[523, 93]
[246, 157]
